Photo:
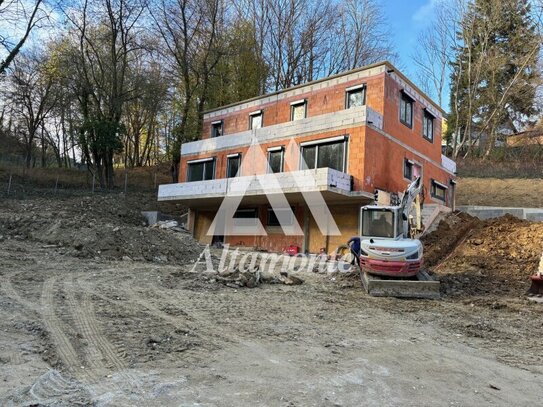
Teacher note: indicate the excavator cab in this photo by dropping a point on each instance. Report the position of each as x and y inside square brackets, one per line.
[387, 247]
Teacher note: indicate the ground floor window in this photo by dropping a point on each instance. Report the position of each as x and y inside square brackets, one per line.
[325, 153]
[201, 170]
[245, 217]
[438, 191]
[280, 217]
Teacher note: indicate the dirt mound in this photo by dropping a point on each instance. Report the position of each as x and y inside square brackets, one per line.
[103, 226]
[492, 257]
[450, 231]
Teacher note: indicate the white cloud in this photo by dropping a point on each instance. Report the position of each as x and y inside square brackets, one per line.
[424, 13]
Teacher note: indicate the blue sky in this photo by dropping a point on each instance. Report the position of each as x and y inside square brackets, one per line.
[406, 18]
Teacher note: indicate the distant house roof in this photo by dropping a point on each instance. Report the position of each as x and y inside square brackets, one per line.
[525, 138]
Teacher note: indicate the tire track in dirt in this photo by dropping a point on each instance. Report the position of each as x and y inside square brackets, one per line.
[215, 335]
[10, 291]
[99, 347]
[92, 355]
[63, 346]
[135, 298]
[143, 306]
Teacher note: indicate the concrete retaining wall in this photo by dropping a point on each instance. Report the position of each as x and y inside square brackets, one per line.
[489, 212]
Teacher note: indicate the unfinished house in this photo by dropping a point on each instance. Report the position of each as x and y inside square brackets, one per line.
[344, 136]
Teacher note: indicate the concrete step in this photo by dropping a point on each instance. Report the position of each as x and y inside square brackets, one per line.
[432, 214]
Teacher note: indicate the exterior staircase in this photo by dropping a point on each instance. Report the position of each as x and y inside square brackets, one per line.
[431, 215]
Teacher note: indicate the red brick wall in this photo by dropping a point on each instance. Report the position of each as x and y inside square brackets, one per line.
[322, 101]
[411, 136]
[384, 167]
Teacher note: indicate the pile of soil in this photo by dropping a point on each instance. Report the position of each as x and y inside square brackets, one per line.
[100, 226]
[473, 257]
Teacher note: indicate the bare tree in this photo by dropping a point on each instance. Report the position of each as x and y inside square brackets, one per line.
[32, 100]
[434, 52]
[191, 32]
[17, 12]
[107, 40]
[360, 36]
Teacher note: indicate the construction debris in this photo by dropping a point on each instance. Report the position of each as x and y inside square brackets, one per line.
[252, 277]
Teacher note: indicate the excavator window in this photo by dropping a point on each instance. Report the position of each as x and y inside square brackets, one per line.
[378, 223]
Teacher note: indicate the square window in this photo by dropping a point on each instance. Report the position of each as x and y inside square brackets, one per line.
[201, 171]
[275, 160]
[216, 129]
[438, 191]
[255, 121]
[428, 126]
[406, 109]
[356, 97]
[298, 111]
[233, 165]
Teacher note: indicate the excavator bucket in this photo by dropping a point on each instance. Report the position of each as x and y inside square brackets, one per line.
[537, 285]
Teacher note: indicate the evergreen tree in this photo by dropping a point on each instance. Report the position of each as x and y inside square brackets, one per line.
[495, 73]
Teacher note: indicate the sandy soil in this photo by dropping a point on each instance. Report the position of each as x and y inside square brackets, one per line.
[94, 329]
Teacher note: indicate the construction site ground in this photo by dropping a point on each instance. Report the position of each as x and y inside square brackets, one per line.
[97, 308]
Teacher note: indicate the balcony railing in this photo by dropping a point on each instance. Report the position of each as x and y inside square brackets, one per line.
[321, 123]
[448, 164]
[320, 179]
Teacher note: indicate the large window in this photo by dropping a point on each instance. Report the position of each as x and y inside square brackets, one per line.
[428, 126]
[438, 191]
[406, 109]
[355, 96]
[216, 129]
[255, 120]
[298, 110]
[201, 170]
[284, 216]
[233, 163]
[326, 153]
[275, 159]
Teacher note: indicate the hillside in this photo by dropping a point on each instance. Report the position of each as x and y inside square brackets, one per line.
[514, 192]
